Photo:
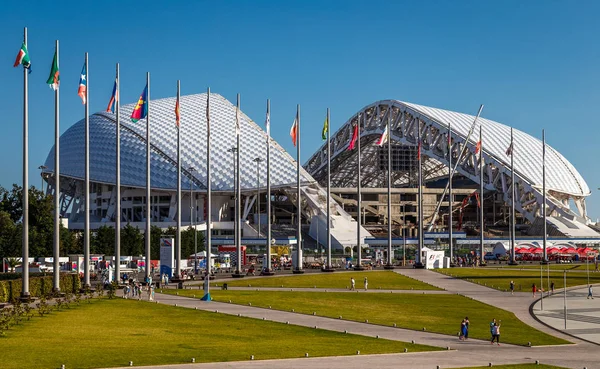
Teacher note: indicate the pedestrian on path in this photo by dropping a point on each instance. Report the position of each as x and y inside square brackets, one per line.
[492, 324]
[496, 333]
[533, 289]
[466, 327]
[352, 284]
[512, 287]
[366, 284]
[552, 287]
[590, 292]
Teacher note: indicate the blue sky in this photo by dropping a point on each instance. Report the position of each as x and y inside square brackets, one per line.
[533, 64]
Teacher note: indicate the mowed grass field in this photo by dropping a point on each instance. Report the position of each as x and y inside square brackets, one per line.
[517, 366]
[386, 280]
[440, 313]
[109, 333]
[524, 279]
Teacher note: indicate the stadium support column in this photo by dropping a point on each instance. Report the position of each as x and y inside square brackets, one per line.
[25, 296]
[118, 184]
[298, 269]
[56, 253]
[86, 236]
[358, 207]
[389, 264]
[148, 184]
[206, 296]
[418, 261]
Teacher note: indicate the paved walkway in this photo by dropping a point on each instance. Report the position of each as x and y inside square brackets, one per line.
[471, 353]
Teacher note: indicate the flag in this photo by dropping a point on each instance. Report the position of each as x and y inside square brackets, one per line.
[141, 108]
[294, 131]
[113, 99]
[478, 147]
[268, 124]
[325, 129]
[54, 78]
[509, 151]
[383, 139]
[237, 121]
[354, 138]
[82, 84]
[177, 113]
[419, 151]
[23, 58]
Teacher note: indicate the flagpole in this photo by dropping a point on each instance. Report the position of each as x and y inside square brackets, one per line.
[148, 197]
[118, 180]
[25, 247]
[358, 202]
[545, 256]
[329, 266]
[86, 237]
[298, 269]
[206, 296]
[450, 231]
[56, 264]
[481, 226]
[238, 201]
[512, 198]
[269, 271]
[389, 264]
[178, 239]
[418, 261]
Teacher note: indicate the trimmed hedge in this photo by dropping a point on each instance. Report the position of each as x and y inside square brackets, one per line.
[38, 286]
[12, 276]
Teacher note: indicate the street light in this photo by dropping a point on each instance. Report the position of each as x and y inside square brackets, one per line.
[42, 168]
[192, 169]
[258, 161]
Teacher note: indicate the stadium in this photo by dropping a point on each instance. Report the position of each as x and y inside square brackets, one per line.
[566, 190]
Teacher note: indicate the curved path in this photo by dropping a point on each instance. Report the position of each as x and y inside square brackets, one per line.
[471, 353]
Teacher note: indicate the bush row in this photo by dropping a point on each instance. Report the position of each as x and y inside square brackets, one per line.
[12, 276]
[38, 286]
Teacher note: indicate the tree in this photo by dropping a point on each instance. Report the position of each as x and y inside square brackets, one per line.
[155, 235]
[187, 242]
[68, 241]
[104, 240]
[131, 241]
[8, 236]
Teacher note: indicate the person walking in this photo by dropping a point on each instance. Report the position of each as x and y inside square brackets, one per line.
[496, 333]
[366, 284]
[492, 324]
[533, 289]
[352, 284]
[590, 292]
[552, 287]
[512, 287]
[461, 332]
[466, 333]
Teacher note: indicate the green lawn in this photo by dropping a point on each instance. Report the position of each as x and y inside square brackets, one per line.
[386, 280]
[437, 313]
[500, 278]
[517, 366]
[536, 265]
[109, 333]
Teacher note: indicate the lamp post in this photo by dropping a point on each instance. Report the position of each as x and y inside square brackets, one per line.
[258, 161]
[192, 222]
[42, 168]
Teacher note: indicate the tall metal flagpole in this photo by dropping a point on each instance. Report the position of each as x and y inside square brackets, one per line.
[481, 227]
[178, 239]
[118, 184]
[56, 254]
[418, 261]
[389, 264]
[450, 225]
[238, 200]
[358, 198]
[512, 199]
[148, 198]
[268, 241]
[298, 269]
[206, 296]
[86, 237]
[25, 247]
[329, 266]
[545, 255]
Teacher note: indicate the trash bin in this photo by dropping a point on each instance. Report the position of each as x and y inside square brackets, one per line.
[224, 286]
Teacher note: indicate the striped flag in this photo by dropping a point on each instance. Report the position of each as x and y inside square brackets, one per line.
[141, 108]
[294, 131]
[112, 103]
[268, 124]
[478, 147]
[354, 138]
[54, 78]
[384, 137]
[23, 58]
[81, 91]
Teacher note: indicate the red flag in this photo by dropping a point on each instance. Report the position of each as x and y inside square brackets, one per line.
[294, 131]
[177, 114]
[354, 138]
[477, 147]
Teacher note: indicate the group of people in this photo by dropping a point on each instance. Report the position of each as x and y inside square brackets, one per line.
[353, 284]
[494, 330]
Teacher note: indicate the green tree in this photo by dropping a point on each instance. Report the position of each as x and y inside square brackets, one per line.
[104, 240]
[155, 235]
[68, 241]
[131, 241]
[187, 242]
[9, 245]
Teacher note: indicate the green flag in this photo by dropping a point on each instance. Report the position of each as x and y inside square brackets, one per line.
[23, 58]
[325, 129]
[54, 78]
